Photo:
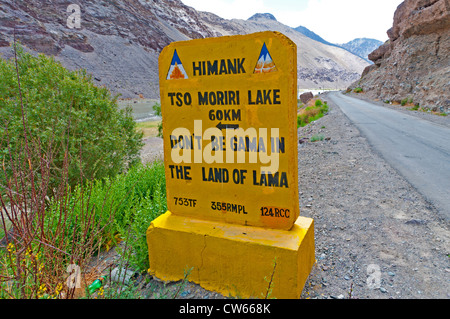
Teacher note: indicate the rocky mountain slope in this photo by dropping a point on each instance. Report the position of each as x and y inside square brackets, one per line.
[414, 63]
[119, 41]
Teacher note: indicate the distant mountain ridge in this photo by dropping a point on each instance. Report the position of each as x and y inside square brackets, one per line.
[312, 35]
[361, 47]
[258, 16]
[319, 65]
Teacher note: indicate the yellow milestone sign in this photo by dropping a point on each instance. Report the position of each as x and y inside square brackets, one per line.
[230, 150]
[230, 135]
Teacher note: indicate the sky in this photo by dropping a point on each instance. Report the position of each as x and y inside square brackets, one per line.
[337, 21]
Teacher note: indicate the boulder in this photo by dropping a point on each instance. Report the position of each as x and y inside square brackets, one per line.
[306, 97]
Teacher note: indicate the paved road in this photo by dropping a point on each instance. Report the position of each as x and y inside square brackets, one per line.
[418, 149]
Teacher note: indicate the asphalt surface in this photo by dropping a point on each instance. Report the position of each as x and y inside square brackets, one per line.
[418, 149]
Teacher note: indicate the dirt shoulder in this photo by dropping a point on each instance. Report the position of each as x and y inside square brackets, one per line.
[369, 222]
[428, 116]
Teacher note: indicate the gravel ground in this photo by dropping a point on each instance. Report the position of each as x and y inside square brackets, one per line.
[375, 235]
[369, 222]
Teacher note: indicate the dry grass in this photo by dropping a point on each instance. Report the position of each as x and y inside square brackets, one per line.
[306, 112]
[149, 128]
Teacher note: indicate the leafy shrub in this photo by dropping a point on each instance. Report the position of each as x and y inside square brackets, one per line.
[95, 215]
[134, 198]
[316, 138]
[157, 108]
[358, 90]
[67, 114]
[312, 113]
[44, 235]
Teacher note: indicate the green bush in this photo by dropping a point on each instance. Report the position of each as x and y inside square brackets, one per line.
[63, 110]
[316, 138]
[358, 90]
[312, 113]
[124, 207]
[117, 203]
[157, 108]
[94, 216]
[404, 102]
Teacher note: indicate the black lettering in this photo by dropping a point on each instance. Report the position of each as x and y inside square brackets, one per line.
[171, 95]
[223, 67]
[216, 175]
[181, 172]
[232, 97]
[173, 141]
[212, 98]
[251, 144]
[241, 144]
[214, 143]
[234, 143]
[226, 115]
[203, 99]
[261, 145]
[267, 99]
[263, 180]
[276, 180]
[240, 66]
[179, 101]
[282, 145]
[276, 97]
[187, 172]
[232, 67]
[250, 102]
[197, 68]
[273, 179]
[259, 97]
[212, 68]
[218, 67]
[236, 115]
[220, 97]
[187, 98]
[283, 180]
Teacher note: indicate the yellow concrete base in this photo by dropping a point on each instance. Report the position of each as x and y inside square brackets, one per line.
[231, 259]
